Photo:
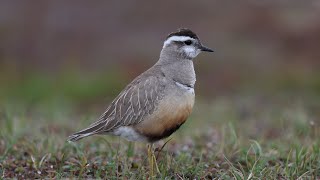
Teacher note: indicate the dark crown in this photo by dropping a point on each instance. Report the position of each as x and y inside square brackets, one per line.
[183, 32]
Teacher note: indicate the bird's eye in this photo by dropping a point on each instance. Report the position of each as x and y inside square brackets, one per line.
[188, 42]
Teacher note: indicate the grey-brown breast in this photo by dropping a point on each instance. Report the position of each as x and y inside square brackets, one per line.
[171, 112]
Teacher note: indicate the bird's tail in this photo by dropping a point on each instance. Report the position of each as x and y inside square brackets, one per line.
[76, 137]
[93, 129]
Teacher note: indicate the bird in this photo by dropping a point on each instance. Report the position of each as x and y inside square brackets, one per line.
[157, 102]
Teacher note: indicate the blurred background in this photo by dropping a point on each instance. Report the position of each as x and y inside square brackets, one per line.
[79, 55]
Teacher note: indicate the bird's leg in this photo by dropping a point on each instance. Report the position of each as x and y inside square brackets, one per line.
[155, 161]
[150, 159]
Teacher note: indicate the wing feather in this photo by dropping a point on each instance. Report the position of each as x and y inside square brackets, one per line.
[130, 107]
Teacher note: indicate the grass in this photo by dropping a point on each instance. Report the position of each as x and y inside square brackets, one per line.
[243, 137]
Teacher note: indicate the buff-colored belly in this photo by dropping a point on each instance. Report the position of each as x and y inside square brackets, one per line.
[170, 114]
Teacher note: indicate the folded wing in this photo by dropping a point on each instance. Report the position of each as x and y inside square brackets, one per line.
[138, 100]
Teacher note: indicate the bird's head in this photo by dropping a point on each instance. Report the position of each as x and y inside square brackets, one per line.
[184, 43]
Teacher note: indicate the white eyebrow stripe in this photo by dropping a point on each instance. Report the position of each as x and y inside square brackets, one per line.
[176, 38]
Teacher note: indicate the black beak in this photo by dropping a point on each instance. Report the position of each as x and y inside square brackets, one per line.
[203, 48]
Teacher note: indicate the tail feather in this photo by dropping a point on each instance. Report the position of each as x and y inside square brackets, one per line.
[95, 129]
[76, 137]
